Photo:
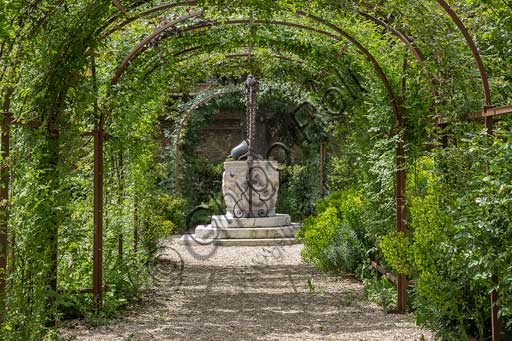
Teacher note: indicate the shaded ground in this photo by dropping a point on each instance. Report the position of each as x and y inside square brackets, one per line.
[248, 293]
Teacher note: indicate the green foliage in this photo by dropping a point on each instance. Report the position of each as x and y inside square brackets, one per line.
[201, 179]
[334, 238]
[166, 216]
[395, 248]
[458, 235]
[459, 198]
[378, 289]
[299, 191]
[449, 300]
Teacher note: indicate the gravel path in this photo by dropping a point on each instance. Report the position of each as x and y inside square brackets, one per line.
[248, 293]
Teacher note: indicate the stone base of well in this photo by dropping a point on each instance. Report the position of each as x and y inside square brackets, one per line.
[250, 188]
[226, 231]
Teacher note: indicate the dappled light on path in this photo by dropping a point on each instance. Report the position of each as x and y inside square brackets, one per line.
[249, 293]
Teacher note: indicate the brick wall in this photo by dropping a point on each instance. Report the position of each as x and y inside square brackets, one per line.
[227, 129]
[220, 136]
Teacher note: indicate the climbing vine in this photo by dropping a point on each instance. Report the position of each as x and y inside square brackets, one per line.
[68, 67]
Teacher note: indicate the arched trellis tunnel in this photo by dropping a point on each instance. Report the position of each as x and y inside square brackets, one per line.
[182, 28]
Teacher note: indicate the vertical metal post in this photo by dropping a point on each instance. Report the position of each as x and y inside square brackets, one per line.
[135, 225]
[495, 321]
[489, 124]
[97, 272]
[120, 179]
[400, 217]
[52, 160]
[322, 166]
[177, 168]
[401, 186]
[4, 209]
[488, 120]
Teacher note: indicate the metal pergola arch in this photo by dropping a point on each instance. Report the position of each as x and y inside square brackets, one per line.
[186, 116]
[241, 54]
[275, 46]
[218, 92]
[407, 41]
[397, 111]
[443, 4]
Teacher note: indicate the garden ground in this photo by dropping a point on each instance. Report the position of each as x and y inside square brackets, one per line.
[248, 293]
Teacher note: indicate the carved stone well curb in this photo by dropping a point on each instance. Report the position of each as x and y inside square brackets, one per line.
[262, 188]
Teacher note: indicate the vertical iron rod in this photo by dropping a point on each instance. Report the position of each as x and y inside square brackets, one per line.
[322, 166]
[135, 225]
[400, 187]
[177, 168]
[97, 272]
[495, 321]
[4, 208]
[120, 246]
[120, 180]
[400, 218]
[489, 124]
[53, 145]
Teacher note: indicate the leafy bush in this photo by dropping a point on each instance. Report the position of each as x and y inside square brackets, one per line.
[334, 238]
[167, 216]
[378, 288]
[200, 179]
[298, 191]
[395, 247]
[459, 236]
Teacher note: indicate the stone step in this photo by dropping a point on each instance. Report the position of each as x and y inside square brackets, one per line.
[231, 222]
[192, 240]
[210, 232]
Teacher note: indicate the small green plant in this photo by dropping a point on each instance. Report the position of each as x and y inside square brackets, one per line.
[311, 286]
[333, 238]
[381, 292]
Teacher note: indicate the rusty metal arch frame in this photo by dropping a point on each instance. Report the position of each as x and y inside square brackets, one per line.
[144, 44]
[398, 118]
[472, 47]
[197, 47]
[391, 96]
[489, 122]
[154, 67]
[474, 50]
[397, 115]
[371, 58]
[401, 36]
[185, 118]
[415, 50]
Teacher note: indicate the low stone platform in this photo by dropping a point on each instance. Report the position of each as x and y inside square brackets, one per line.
[189, 239]
[226, 221]
[226, 231]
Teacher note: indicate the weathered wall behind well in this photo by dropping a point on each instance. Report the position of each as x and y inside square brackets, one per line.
[222, 134]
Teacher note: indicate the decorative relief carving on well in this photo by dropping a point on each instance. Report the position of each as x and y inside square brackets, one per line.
[254, 198]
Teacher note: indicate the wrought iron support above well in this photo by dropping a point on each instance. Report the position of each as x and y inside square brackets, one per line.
[252, 86]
